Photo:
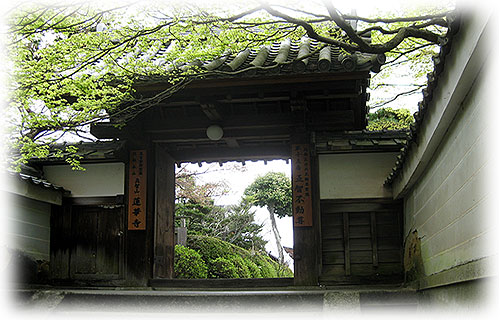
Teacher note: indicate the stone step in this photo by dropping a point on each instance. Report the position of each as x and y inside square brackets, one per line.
[195, 301]
[407, 300]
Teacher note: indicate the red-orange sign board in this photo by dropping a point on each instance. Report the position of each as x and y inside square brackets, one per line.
[137, 190]
[301, 186]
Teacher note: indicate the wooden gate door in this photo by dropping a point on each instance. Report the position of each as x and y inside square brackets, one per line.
[97, 253]
[361, 241]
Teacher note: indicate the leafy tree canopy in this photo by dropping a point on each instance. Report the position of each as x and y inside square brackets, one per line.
[390, 119]
[274, 191]
[74, 65]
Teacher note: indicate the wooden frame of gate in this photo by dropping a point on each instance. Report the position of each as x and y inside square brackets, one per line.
[263, 119]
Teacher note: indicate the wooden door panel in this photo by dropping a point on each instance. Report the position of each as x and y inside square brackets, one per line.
[98, 246]
[361, 240]
[83, 257]
[108, 240]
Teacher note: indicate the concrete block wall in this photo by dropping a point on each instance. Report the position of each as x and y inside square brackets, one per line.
[29, 227]
[448, 206]
[449, 218]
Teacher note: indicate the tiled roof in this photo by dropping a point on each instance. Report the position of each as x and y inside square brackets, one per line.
[282, 58]
[355, 141]
[423, 106]
[37, 181]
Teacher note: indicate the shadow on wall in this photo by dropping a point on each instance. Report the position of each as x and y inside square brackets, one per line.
[23, 269]
[413, 264]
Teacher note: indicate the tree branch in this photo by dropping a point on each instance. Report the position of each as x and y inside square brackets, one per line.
[402, 94]
[342, 24]
[311, 33]
[395, 20]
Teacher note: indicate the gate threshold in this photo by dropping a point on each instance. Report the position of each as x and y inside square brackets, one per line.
[222, 283]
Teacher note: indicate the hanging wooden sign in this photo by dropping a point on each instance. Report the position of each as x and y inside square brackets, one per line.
[301, 186]
[137, 184]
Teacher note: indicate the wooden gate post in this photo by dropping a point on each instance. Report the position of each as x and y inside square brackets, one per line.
[304, 204]
[164, 237]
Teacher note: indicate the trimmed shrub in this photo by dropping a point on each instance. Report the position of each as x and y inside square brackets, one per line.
[244, 263]
[265, 266]
[241, 266]
[223, 268]
[253, 269]
[188, 264]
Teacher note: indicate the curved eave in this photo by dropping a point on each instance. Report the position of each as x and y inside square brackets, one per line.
[423, 106]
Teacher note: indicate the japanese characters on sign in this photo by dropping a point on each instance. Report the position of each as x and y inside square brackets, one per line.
[137, 190]
[301, 184]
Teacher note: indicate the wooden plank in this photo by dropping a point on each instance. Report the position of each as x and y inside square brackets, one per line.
[210, 110]
[334, 232]
[334, 257]
[328, 206]
[363, 274]
[279, 94]
[347, 249]
[237, 125]
[386, 217]
[316, 206]
[359, 219]
[360, 244]
[384, 268]
[84, 230]
[197, 134]
[332, 219]
[333, 245]
[387, 230]
[306, 269]
[305, 259]
[287, 81]
[361, 280]
[216, 153]
[61, 241]
[373, 245]
[366, 256]
[389, 243]
[109, 250]
[333, 270]
[385, 256]
[373, 225]
[360, 257]
[356, 232]
[164, 238]
[329, 119]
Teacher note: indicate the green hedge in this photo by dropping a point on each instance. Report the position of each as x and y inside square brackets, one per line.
[223, 268]
[188, 264]
[223, 260]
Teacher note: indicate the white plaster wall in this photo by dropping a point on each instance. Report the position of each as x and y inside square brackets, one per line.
[101, 179]
[355, 175]
[448, 206]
